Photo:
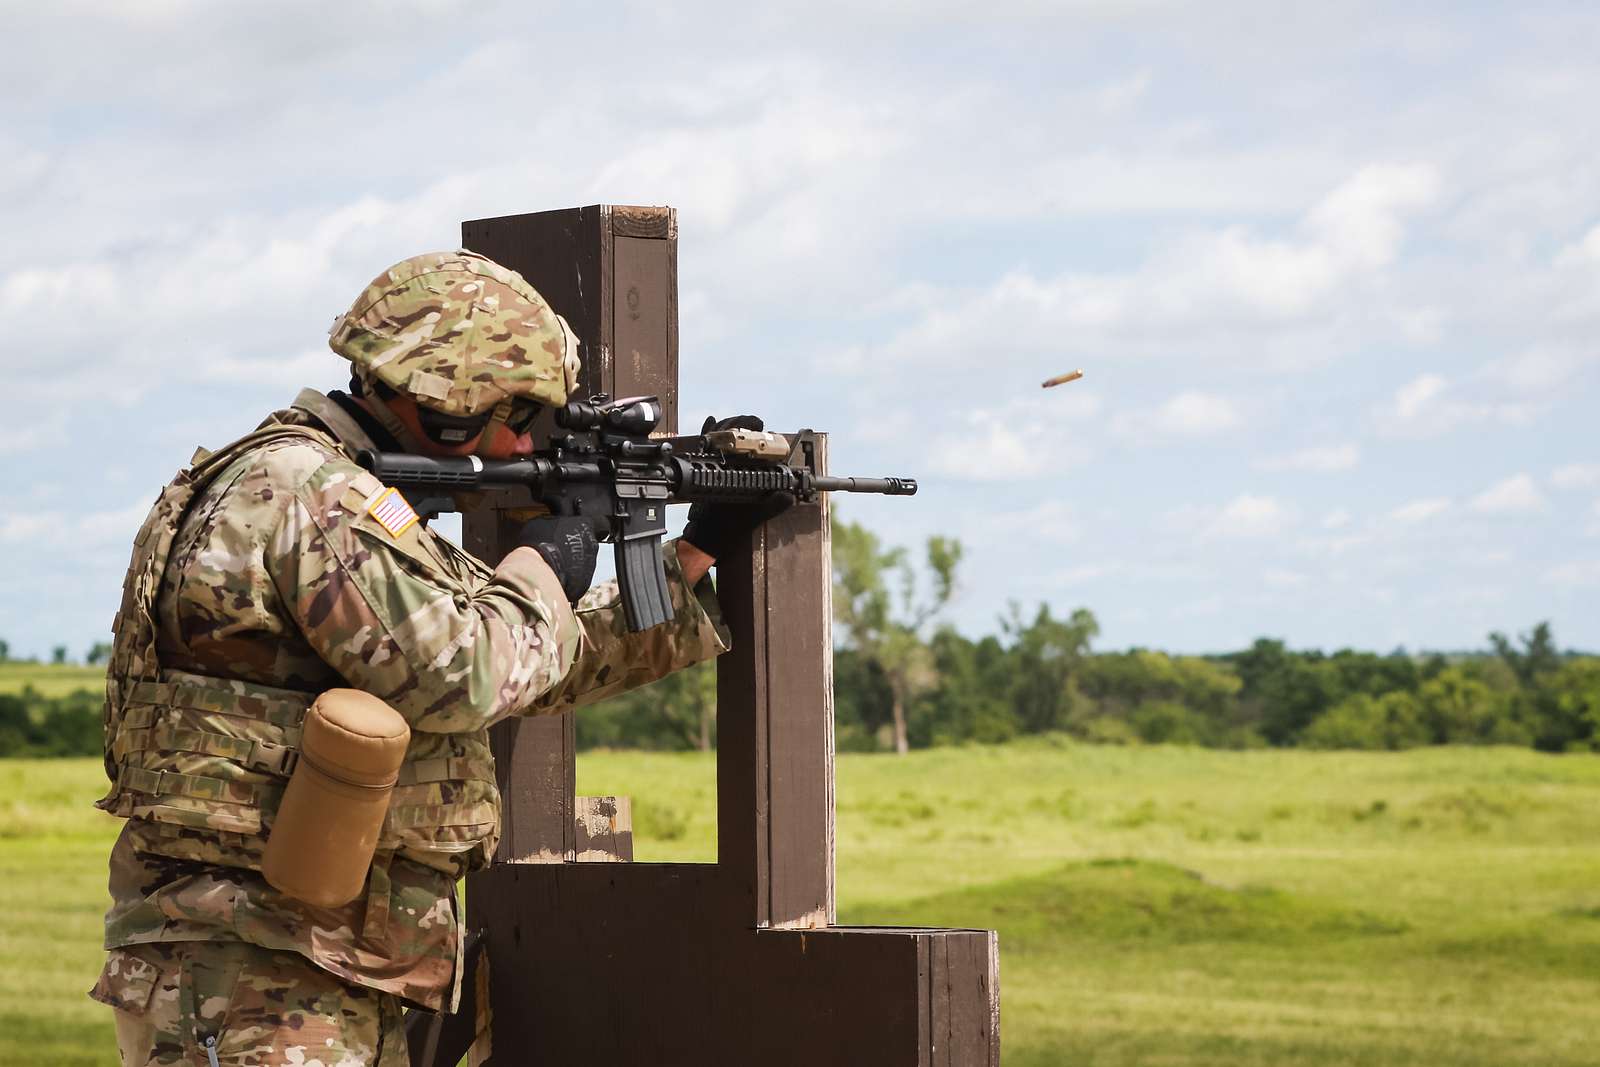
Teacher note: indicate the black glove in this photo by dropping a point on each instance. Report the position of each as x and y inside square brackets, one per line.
[719, 528]
[568, 544]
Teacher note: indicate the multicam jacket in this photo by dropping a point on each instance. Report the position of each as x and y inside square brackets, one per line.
[284, 578]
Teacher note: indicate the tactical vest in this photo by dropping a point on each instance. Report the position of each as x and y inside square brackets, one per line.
[205, 759]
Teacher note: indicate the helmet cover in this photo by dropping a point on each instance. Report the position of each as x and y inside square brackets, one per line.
[458, 333]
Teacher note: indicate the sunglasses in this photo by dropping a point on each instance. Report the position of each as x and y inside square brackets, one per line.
[522, 417]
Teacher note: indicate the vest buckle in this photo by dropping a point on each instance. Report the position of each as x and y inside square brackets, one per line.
[276, 759]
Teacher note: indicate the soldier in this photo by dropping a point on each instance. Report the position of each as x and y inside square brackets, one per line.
[276, 569]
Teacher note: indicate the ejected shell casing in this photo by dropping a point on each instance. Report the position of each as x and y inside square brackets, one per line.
[1063, 379]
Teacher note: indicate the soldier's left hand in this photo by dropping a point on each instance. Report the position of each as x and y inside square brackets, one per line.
[720, 528]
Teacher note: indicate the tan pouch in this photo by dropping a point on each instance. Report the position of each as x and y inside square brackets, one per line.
[322, 843]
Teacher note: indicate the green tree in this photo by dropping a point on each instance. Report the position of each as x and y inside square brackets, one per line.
[1538, 655]
[58, 655]
[1457, 708]
[885, 625]
[862, 703]
[1284, 691]
[1046, 655]
[1120, 684]
[1572, 696]
[675, 713]
[970, 701]
[1167, 722]
[99, 652]
[1390, 721]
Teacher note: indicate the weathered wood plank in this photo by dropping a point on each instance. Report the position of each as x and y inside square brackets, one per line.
[682, 984]
[604, 827]
[643, 353]
[799, 713]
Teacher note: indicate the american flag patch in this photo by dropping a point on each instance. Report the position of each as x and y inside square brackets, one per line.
[392, 512]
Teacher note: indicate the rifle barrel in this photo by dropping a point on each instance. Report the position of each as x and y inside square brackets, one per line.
[825, 483]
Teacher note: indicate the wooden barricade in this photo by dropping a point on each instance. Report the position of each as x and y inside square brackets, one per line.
[737, 962]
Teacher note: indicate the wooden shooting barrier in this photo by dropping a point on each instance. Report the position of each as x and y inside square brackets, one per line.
[596, 961]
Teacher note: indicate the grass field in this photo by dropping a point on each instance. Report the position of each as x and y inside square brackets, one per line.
[1155, 905]
[49, 679]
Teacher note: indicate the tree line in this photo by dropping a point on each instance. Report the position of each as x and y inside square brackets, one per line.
[905, 678]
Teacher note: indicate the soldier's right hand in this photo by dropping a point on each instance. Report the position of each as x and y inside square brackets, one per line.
[568, 545]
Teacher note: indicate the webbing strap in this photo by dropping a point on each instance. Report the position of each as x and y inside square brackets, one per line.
[283, 711]
[376, 922]
[265, 756]
[166, 783]
[445, 769]
[410, 816]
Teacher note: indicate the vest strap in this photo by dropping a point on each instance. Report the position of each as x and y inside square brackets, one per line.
[167, 783]
[445, 769]
[274, 759]
[286, 710]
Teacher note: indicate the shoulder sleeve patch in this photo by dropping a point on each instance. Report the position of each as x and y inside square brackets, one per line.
[390, 510]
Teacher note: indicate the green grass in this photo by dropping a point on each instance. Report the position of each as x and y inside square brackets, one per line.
[1155, 906]
[49, 679]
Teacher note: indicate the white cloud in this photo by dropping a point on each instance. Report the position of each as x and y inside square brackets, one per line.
[1542, 369]
[1429, 405]
[1188, 414]
[1362, 220]
[1123, 94]
[1051, 521]
[1420, 510]
[1576, 572]
[31, 528]
[1280, 578]
[1196, 413]
[266, 370]
[1585, 251]
[1320, 458]
[1576, 476]
[1211, 605]
[1411, 399]
[1516, 495]
[1247, 516]
[1024, 439]
[1082, 573]
[113, 527]
[838, 191]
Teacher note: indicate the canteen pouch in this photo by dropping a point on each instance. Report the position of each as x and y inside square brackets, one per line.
[326, 831]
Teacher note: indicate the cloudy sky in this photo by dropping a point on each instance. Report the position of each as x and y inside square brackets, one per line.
[1333, 273]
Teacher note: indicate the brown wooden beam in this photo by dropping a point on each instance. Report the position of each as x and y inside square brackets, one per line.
[775, 721]
[642, 964]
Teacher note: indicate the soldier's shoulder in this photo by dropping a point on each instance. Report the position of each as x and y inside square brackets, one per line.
[302, 461]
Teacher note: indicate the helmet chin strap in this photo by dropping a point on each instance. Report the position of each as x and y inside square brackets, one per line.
[497, 419]
[391, 422]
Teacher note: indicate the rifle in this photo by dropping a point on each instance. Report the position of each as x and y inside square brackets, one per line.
[607, 467]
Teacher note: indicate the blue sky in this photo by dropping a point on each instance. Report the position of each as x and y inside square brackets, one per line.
[1333, 275]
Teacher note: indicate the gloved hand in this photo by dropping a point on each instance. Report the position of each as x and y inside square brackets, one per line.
[568, 544]
[717, 529]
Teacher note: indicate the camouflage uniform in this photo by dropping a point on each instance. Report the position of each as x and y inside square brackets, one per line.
[280, 582]
[257, 1007]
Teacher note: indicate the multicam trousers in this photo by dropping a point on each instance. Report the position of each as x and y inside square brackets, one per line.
[232, 1004]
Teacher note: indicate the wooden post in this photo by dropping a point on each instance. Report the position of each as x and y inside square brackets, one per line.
[775, 721]
[732, 962]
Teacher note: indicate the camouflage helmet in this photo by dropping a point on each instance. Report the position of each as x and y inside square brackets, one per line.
[458, 333]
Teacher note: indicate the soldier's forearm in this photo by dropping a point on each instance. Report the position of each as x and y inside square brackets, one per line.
[694, 562]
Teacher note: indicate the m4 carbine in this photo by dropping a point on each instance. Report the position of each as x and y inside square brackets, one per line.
[607, 468]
